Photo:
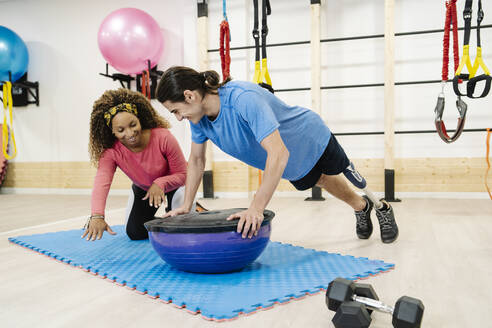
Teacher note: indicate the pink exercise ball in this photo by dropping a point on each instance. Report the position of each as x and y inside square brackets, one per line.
[128, 38]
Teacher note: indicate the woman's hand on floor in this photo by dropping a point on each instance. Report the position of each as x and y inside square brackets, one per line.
[96, 228]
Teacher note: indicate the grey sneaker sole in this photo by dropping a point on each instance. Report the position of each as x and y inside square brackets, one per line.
[389, 241]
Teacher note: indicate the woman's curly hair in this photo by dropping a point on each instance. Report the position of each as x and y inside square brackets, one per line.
[101, 136]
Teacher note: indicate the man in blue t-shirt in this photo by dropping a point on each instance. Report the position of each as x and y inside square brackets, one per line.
[253, 125]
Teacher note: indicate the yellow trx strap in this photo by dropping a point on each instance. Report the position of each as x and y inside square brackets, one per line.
[472, 77]
[261, 72]
[257, 75]
[479, 63]
[465, 60]
[265, 76]
[7, 107]
[261, 75]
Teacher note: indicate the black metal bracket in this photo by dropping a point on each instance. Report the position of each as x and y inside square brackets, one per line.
[122, 78]
[202, 8]
[389, 186]
[316, 195]
[154, 74]
[20, 90]
[208, 184]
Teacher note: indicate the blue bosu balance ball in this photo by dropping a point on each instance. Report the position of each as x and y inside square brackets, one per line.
[13, 55]
[205, 242]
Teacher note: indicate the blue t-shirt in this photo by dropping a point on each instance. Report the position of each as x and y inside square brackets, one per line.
[248, 114]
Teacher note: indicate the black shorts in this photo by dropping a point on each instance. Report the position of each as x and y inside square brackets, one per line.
[333, 161]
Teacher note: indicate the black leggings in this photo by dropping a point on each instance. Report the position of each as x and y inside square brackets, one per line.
[142, 212]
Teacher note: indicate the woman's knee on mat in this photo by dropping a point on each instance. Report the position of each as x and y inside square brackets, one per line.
[136, 233]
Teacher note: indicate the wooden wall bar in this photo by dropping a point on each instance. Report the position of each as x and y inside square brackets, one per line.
[411, 175]
[71, 175]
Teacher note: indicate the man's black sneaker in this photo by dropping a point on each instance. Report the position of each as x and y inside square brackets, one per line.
[387, 223]
[364, 225]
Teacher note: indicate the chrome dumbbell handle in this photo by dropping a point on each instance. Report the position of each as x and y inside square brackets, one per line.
[373, 304]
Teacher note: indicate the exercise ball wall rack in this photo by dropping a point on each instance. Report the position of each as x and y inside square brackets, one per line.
[20, 90]
[126, 79]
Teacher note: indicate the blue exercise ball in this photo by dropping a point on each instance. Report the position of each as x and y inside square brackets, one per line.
[13, 55]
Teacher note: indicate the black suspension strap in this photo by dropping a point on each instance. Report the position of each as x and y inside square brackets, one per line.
[261, 75]
[471, 77]
[261, 70]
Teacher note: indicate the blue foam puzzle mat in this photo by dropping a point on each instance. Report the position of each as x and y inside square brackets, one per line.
[282, 272]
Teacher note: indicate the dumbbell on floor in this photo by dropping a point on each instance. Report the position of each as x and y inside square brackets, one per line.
[354, 302]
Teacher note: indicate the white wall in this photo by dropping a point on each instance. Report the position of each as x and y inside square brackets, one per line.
[62, 40]
[417, 57]
[61, 37]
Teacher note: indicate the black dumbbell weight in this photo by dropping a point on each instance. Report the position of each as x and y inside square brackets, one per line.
[341, 295]
[349, 314]
[366, 290]
[352, 314]
[408, 312]
[341, 290]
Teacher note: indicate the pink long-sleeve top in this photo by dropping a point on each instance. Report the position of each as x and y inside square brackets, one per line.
[162, 162]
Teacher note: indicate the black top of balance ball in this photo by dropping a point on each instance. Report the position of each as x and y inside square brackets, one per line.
[211, 221]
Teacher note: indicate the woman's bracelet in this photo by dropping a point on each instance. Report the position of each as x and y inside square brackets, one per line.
[96, 216]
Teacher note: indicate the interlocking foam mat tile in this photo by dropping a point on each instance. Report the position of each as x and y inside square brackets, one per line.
[282, 273]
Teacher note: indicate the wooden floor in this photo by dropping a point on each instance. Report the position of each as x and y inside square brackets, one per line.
[443, 256]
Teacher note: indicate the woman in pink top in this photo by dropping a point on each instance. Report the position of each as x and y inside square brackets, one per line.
[126, 132]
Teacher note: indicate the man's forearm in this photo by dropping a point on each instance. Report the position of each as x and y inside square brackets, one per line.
[274, 168]
[193, 178]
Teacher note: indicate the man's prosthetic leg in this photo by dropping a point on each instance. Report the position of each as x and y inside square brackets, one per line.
[358, 180]
[384, 211]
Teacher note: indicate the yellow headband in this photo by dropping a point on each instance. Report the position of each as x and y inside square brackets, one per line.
[123, 107]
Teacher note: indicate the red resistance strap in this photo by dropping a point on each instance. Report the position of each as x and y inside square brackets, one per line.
[451, 19]
[225, 56]
[146, 84]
